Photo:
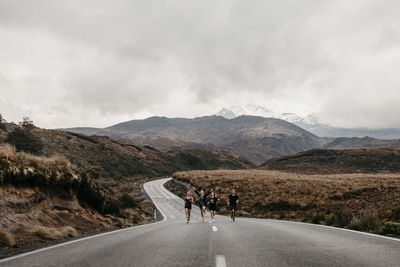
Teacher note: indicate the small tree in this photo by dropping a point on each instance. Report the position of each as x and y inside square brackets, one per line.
[24, 140]
[27, 123]
[2, 123]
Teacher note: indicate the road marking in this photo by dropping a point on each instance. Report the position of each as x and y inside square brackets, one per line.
[215, 228]
[220, 261]
[146, 188]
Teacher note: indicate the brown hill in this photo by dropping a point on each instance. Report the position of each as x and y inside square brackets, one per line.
[365, 160]
[355, 142]
[254, 138]
[118, 159]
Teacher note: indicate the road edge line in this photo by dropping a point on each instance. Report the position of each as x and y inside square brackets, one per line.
[88, 237]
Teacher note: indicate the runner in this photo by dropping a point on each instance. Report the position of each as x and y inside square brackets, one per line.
[202, 202]
[213, 205]
[233, 199]
[188, 205]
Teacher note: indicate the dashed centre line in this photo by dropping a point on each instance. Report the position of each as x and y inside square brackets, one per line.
[215, 228]
[220, 261]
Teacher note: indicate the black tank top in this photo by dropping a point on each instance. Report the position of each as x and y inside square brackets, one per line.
[188, 202]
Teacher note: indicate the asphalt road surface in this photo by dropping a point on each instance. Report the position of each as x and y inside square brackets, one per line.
[246, 242]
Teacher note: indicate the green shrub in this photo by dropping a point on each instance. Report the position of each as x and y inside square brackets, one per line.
[391, 228]
[127, 201]
[95, 172]
[317, 218]
[395, 215]
[2, 123]
[329, 219]
[112, 206]
[355, 224]
[370, 223]
[342, 218]
[25, 140]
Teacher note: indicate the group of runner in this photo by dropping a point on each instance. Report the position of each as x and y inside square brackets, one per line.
[232, 201]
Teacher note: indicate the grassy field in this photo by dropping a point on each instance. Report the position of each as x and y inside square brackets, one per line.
[366, 202]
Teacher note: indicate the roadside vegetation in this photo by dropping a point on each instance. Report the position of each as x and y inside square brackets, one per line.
[48, 198]
[363, 202]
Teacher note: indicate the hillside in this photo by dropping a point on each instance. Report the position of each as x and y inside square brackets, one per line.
[49, 199]
[365, 160]
[355, 142]
[119, 159]
[254, 138]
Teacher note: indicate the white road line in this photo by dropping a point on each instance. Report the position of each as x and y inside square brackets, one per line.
[146, 187]
[220, 261]
[215, 228]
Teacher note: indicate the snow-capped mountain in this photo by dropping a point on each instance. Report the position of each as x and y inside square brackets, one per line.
[310, 123]
[254, 110]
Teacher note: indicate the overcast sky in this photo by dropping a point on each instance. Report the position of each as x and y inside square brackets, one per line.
[96, 63]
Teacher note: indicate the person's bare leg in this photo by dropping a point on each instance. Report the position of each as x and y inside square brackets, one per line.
[204, 213]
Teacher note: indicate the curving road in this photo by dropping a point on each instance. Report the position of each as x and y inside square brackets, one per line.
[246, 242]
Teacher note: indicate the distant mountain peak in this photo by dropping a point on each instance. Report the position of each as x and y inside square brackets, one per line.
[228, 114]
[255, 110]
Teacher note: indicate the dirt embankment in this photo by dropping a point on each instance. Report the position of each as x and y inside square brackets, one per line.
[368, 202]
[45, 199]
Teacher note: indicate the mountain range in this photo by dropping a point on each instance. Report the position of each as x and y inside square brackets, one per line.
[254, 138]
[310, 123]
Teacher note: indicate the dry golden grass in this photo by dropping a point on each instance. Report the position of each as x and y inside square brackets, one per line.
[50, 233]
[6, 238]
[7, 151]
[274, 194]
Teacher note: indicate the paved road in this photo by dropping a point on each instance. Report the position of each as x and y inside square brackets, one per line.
[246, 242]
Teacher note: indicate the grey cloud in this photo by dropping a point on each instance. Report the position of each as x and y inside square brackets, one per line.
[121, 59]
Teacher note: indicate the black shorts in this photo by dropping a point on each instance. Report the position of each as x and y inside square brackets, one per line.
[188, 207]
[233, 207]
[213, 207]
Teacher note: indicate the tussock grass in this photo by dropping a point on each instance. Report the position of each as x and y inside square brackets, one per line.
[6, 238]
[357, 201]
[7, 150]
[55, 172]
[50, 233]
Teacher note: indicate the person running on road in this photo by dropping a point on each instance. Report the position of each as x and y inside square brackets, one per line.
[188, 205]
[213, 205]
[233, 199]
[202, 201]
